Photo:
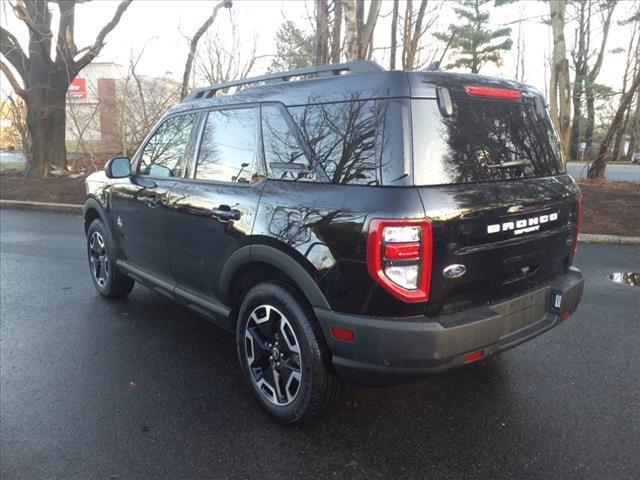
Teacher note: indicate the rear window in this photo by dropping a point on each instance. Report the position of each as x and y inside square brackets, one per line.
[482, 141]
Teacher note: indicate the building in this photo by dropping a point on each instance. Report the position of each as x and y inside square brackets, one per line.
[92, 109]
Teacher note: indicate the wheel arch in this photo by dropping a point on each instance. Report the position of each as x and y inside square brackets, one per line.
[252, 264]
[92, 210]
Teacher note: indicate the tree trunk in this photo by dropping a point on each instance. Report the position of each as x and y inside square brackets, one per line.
[46, 122]
[336, 33]
[560, 84]
[577, 114]
[322, 32]
[591, 117]
[351, 29]
[597, 168]
[394, 35]
[617, 143]
[635, 131]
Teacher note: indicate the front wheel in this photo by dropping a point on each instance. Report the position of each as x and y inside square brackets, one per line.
[283, 356]
[108, 280]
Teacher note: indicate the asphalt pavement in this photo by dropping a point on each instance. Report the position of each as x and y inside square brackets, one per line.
[615, 172]
[142, 388]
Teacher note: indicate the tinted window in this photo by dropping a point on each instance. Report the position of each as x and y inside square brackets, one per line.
[164, 153]
[482, 141]
[228, 149]
[284, 156]
[343, 138]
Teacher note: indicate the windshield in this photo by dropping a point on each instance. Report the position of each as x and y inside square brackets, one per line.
[482, 141]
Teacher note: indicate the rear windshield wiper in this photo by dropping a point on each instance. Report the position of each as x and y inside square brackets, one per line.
[514, 163]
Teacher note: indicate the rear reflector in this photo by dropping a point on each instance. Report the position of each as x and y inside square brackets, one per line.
[566, 314]
[493, 92]
[402, 251]
[342, 334]
[473, 356]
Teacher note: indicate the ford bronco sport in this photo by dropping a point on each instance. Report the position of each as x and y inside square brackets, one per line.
[347, 224]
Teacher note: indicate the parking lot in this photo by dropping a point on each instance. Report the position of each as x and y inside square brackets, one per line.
[142, 388]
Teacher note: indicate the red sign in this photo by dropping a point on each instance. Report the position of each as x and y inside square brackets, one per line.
[78, 88]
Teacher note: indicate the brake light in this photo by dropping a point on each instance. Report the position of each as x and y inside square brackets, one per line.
[399, 255]
[494, 92]
[578, 222]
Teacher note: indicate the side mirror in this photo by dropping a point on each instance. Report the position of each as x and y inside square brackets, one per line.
[118, 167]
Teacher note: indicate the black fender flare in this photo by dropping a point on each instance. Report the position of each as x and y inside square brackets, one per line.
[92, 203]
[278, 259]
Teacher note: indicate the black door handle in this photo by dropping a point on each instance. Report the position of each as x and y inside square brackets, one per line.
[224, 213]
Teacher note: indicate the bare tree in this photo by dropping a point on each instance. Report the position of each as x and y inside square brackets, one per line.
[590, 80]
[141, 103]
[394, 34]
[416, 24]
[17, 134]
[193, 45]
[222, 58]
[631, 66]
[559, 82]
[46, 78]
[597, 168]
[359, 33]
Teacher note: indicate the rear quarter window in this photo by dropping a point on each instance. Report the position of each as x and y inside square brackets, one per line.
[482, 141]
[342, 137]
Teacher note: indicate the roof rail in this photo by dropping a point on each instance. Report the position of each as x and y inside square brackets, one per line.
[359, 66]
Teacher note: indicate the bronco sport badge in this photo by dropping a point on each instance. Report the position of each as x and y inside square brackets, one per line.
[524, 225]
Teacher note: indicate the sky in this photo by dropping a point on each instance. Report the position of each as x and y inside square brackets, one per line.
[162, 26]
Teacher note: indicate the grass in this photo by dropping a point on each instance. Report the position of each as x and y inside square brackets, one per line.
[6, 166]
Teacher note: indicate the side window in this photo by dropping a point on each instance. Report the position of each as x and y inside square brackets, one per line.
[284, 157]
[164, 153]
[343, 137]
[228, 150]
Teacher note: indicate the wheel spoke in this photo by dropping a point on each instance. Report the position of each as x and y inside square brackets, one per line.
[272, 353]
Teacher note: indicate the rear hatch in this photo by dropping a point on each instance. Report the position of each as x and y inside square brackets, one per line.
[487, 165]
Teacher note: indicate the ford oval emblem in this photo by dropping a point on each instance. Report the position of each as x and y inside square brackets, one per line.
[454, 271]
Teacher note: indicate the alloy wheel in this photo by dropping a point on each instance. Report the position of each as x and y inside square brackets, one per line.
[272, 352]
[98, 259]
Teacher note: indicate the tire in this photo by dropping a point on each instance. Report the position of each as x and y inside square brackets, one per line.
[292, 380]
[108, 280]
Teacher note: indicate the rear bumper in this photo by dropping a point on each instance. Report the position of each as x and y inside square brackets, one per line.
[387, 351]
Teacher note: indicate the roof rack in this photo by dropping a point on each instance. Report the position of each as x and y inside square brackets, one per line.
[359, 66]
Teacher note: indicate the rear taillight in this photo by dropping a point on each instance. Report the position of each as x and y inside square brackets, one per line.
[493, 92]
[578, 221]
[399, 254]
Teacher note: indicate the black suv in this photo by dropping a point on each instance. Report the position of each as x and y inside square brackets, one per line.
[347, 224]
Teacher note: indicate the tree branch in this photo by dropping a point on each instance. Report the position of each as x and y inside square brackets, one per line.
[194, 45]
[94, 50]
[66, 45]
[12, 79]
[11, 49]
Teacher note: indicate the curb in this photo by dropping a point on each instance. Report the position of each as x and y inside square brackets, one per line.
[609, 239]
[69, 207]
[25, 205]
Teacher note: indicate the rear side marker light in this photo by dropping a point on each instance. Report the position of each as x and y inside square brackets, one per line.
[473, 356]
[566, 314]
[493, 92]
[399, 256]
[342, 334]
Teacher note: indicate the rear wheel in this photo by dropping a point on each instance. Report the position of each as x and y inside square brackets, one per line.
[108, 280]
[283, 356]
